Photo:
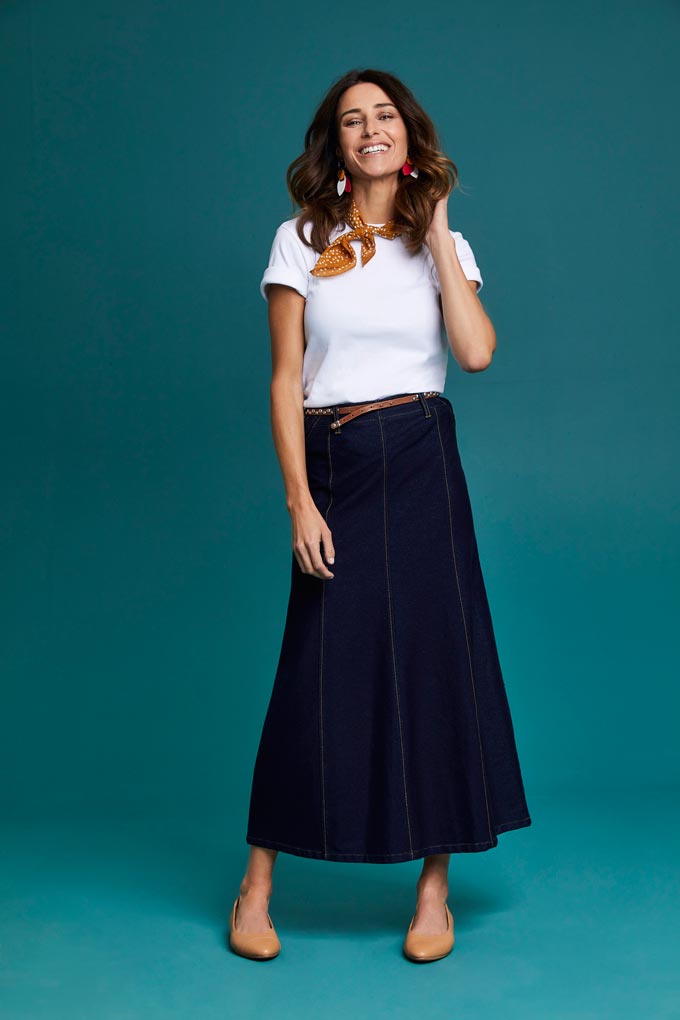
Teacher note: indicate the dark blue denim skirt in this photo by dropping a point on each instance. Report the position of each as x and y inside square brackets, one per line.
[388, 734]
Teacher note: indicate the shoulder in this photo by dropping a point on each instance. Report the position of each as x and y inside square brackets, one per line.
[289, 229]
[287, 246]
[288, 243]
[290, 258]
[287, 239]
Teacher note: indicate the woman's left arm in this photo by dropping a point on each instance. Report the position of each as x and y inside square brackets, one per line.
[471, 335]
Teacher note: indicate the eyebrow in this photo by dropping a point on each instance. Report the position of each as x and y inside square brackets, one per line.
[357, 110]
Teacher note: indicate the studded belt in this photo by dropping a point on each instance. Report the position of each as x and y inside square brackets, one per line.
[356, 409]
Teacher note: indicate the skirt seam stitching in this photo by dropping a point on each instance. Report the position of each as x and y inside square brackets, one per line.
[394, 658]
[462, 610]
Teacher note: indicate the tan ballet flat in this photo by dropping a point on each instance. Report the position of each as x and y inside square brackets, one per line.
[254, 945]
[421, 947]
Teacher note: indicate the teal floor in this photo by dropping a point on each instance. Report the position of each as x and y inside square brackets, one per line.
[573, 918]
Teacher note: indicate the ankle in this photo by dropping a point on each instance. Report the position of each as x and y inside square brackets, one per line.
[257, 890]
[435, 888]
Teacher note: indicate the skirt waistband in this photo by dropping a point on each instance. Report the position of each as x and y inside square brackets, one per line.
[353, 409]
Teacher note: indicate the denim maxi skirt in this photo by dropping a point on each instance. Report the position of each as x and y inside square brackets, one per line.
[388, 734]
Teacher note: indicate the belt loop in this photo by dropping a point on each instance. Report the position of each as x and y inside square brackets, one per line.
[336, 416]
[426, 406]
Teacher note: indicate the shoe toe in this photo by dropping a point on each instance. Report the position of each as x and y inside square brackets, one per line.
[255, 946]
[421, 948]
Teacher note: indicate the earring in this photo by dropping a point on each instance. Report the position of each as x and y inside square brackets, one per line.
[344, 184]
[408, 169]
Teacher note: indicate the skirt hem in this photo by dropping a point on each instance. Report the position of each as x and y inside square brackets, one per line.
[405, 855]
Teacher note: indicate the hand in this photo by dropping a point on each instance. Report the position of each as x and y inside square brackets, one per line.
[439, 224]
[310, 531]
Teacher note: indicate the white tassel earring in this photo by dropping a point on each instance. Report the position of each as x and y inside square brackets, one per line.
[344, 184]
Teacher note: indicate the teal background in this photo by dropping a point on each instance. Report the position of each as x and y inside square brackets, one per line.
[146, 543]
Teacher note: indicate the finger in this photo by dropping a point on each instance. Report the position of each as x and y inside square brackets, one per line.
[303, 557]
[318, 565]
[328, 548]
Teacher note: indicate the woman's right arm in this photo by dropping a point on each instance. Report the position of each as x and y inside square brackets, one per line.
[310, 531]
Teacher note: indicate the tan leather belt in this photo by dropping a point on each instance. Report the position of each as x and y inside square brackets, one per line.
[356, 409]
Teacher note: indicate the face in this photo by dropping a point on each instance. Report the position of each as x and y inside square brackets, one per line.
[367, 117]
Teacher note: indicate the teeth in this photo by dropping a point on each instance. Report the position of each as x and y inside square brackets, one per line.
[373, 148]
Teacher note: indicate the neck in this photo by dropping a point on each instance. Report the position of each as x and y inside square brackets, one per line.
[375, 198]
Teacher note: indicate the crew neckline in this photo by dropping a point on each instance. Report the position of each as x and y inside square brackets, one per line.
[347, 224]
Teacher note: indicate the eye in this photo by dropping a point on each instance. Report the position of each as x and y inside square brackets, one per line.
[356, 120]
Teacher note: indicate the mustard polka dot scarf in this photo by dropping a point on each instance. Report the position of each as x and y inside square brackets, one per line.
[340, 256]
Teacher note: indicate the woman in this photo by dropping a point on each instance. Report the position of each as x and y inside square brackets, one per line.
[388, 735]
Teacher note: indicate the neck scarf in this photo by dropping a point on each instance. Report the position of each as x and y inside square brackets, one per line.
[340, 256]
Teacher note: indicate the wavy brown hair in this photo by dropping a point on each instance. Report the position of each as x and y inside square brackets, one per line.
[312, 177]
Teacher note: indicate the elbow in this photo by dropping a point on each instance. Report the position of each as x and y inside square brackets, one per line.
[478, 364]
[481, 357]
[480, 360]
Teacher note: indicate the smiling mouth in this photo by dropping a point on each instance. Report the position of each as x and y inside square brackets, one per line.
[374, 150]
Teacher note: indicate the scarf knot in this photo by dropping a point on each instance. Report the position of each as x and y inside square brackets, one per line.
[340, 256]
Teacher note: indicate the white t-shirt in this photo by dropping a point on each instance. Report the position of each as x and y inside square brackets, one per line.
[374, 330]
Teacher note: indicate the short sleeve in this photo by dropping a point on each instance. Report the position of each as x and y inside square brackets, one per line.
[287, 262]
[466, 259]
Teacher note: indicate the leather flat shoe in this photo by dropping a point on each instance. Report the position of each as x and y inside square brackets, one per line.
[254, 945]
[421, 948]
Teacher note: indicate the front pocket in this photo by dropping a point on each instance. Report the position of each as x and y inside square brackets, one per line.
[311, 421]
